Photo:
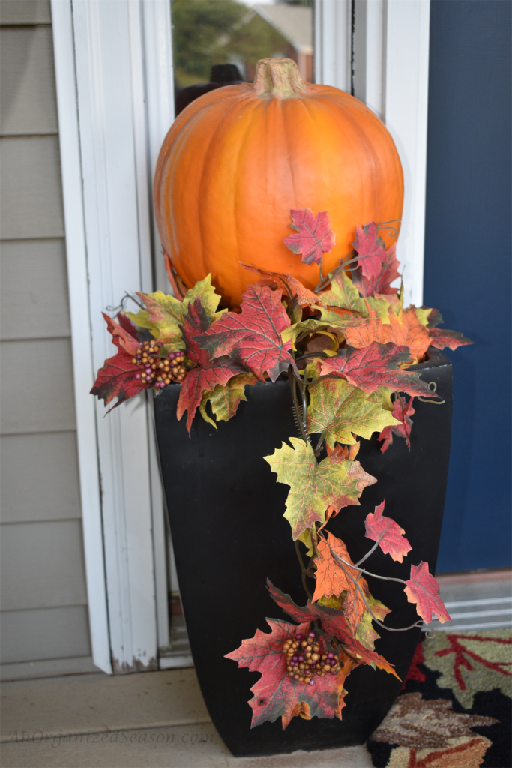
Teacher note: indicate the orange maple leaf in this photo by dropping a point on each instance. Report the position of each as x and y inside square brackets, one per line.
[405, 330]
[333, 578]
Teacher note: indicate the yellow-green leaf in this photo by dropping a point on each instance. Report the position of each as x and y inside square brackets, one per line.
[339, 409]
[313, 486]
[164, 315]
[225, 400]
[380, 306]
[306, 326]
[332, 602]
[422, 314]
[343, 294]
[305, 538]
[202, 407]
[365, 632]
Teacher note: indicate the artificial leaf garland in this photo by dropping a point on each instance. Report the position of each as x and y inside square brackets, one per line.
[346, 348]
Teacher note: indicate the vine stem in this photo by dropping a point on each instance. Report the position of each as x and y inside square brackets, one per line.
[367, 573]
[292, 378]
[372, 550]
[419, 624]
[320, 443]
[302, 570]
[340, 268]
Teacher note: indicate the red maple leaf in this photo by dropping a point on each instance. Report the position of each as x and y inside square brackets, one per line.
[377, 366]
[179, 289]
[441, 338]
[335, 626]
[122, 337]
[118, 375]
[253, 337]
[290, 285]
[314, 235]
[276, 694]
[387, 533]
[127, 325]
[376, 267]
[423, 589]
[209, 372]
[403, 411]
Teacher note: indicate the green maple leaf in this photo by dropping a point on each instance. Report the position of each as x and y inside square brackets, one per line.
[343, 294]
[380, 306]
[365, 632]
[224, 400]
[164, 314]
[422, 314]
[313, 486]
[341, 410]
[310, 326]
[305, 538]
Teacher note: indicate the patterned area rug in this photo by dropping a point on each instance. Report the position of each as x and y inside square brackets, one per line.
[454, 710]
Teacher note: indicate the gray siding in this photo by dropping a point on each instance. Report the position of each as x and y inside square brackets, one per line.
[42, 595]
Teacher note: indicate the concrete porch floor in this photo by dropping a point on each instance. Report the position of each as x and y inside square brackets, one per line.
[132, 721]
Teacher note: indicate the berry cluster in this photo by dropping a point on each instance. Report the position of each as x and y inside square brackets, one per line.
[157, 369]
[178, 369]
[304, 660]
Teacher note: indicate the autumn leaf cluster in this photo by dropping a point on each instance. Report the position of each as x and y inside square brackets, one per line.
[346, 348]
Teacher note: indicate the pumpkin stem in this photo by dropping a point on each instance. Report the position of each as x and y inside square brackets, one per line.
[278, 79]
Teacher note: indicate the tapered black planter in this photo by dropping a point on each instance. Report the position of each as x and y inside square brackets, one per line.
[229, 534]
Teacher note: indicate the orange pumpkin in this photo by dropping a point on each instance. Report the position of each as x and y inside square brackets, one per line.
[238, 159]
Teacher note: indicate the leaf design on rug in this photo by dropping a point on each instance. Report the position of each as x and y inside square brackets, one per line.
[459, 657]
[415, 723]
[462, 753]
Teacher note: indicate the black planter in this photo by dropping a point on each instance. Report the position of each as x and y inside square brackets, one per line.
[226, 515]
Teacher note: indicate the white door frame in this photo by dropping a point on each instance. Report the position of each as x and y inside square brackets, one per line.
[391, 46]
[113, 61]
[109, 144]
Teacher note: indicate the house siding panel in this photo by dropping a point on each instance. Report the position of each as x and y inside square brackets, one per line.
[53, 633]
[34, 278]
[21, 12]
[30, 188]
[41, 565]
[27, 98]
[50, 467]
[44, 403]
[43, 593]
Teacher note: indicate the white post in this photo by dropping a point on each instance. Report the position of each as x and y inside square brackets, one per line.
[113, 140]
[83, 368]
[333, 43]
[407, 48]
[391, 57]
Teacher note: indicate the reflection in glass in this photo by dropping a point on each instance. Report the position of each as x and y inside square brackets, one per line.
[216, 42]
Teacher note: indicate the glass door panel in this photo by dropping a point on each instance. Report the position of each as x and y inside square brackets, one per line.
[217, 42]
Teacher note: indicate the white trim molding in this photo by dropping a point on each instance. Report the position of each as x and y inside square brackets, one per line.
[159, 80]
[83, 369]
[391, 59]
[333, 43]
[112, 131]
